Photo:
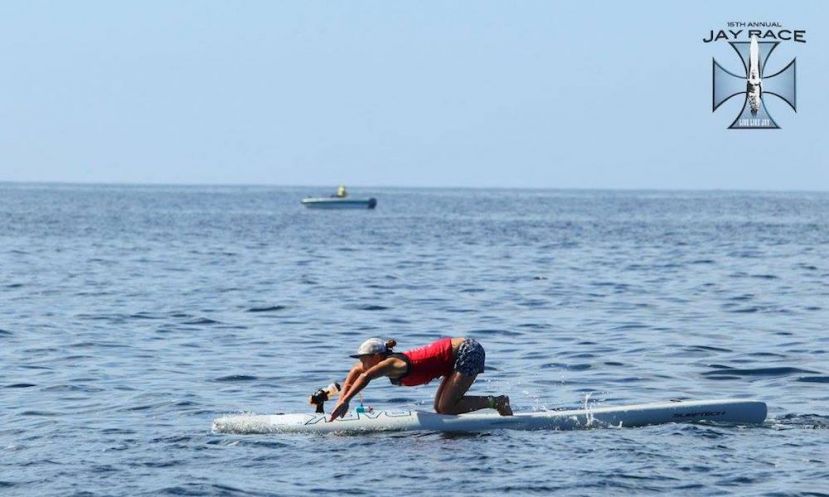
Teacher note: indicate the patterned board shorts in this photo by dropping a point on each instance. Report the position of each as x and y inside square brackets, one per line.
[471, 358]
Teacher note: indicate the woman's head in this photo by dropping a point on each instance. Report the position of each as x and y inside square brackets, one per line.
[374, 350]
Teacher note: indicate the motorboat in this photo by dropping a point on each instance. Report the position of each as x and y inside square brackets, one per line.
[339, 200]
[339, 203]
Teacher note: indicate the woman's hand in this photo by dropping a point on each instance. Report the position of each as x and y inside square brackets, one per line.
[339, 410]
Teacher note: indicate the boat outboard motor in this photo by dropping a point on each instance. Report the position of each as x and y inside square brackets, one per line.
[320, 396]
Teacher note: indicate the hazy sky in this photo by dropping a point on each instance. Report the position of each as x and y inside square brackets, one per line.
[400, 93]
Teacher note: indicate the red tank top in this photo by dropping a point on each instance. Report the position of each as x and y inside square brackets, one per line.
[427, 363]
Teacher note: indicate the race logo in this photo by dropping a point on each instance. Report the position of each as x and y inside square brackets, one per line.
[755, 83]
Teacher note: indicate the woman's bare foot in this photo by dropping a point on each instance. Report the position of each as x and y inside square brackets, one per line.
[502, 405]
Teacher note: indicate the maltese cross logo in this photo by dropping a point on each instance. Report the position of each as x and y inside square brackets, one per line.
[755, 84]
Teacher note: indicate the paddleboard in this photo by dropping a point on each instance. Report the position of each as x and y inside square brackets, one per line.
[732, 411]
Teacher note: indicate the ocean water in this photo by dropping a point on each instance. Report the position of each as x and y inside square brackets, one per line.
[132, 316]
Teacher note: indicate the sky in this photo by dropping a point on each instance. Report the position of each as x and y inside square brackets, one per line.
[535, 94]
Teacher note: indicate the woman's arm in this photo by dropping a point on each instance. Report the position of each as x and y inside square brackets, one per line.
[352, 375]
[389, 367]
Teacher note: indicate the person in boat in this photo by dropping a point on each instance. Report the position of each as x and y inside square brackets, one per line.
[458, 360]
[341, 193]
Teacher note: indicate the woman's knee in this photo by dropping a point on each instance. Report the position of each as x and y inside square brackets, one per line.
[444, 406]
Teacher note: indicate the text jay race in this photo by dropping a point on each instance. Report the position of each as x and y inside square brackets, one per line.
[798, 35]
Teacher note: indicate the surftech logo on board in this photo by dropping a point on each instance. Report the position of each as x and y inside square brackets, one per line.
[754, 43]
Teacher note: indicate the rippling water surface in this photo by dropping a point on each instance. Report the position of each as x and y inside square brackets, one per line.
[132, 316]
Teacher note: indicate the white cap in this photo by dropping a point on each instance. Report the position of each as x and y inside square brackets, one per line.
[372, 346]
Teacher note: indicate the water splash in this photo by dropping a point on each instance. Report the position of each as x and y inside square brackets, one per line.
[587, 409]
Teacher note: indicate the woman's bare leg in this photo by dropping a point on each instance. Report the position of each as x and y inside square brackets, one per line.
[450, 398]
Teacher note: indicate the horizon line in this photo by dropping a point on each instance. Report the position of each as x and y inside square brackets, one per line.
[416, 187]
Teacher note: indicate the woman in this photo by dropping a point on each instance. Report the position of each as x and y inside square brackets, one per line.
[458, 360]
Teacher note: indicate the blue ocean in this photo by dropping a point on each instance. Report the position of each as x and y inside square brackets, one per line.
[132, 316]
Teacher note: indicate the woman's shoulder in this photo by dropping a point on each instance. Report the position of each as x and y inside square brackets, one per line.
[397, 361]
[397, 365]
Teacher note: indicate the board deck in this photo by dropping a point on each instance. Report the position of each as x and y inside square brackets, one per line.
[734, 411]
